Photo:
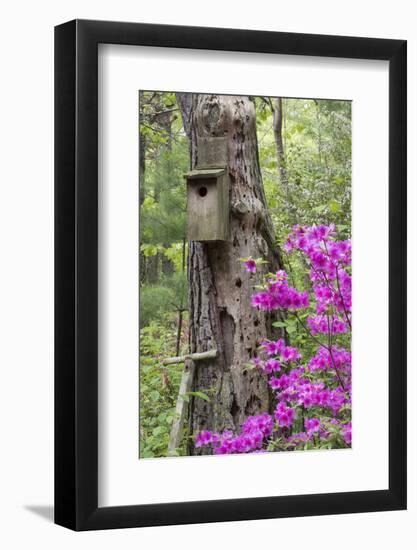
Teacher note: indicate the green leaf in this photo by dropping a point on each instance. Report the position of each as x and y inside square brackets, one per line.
[159, 430]
[279, 324]
[201, 395]
[154, 395]
[195, 394]
[150, 250]
[249, 366]
[319, 209]
[334, 206]
[147, 454]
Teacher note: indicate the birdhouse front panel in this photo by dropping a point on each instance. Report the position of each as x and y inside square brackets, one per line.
[207, 205]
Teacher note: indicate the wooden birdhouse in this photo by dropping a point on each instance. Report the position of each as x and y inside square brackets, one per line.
[208, 204]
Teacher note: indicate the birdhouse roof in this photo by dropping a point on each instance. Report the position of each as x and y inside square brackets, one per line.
[203, 173]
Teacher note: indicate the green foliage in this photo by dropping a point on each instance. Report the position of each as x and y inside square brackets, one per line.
[158, 388]
[163, 282]
[176, 254]
[158, 300]
[317, 163]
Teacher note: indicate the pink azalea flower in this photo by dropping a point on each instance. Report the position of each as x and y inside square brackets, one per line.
[250, 265]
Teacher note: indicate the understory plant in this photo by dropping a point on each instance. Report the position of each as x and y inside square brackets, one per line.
[311, 380]
[158, 386]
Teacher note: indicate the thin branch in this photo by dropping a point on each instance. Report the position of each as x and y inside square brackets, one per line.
[212, 354]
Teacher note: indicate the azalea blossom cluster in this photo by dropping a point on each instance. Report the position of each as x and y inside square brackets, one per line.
[282, 352]
[322, 324]
[312, 394]
[314, 428]
[279, 295]
[332, 284]
[296, 389]
[255, 430]
[325, 359]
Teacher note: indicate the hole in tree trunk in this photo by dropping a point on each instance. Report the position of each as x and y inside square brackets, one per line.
[234, 411]
[228, 330]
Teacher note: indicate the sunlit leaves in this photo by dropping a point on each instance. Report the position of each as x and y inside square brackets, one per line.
[334, 206]
[175, 254]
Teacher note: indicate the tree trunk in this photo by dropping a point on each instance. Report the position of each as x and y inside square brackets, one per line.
[221, 315]
[277, 112]
[142, 166]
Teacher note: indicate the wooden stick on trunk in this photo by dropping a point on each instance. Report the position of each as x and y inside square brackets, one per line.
[212, 354]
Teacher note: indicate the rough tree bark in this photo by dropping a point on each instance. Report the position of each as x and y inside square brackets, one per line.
[221, 315]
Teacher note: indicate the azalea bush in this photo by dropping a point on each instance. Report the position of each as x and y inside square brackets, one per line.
[311, 380]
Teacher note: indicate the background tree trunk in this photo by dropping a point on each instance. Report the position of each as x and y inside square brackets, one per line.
[221, 315]
[142, 166]
[278, 115]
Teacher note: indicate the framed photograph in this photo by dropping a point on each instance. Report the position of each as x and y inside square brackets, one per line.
[230, 252]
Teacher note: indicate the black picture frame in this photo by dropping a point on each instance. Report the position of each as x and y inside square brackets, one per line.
[76, 272]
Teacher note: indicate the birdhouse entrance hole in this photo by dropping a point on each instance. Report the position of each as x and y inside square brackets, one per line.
[202, 191]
